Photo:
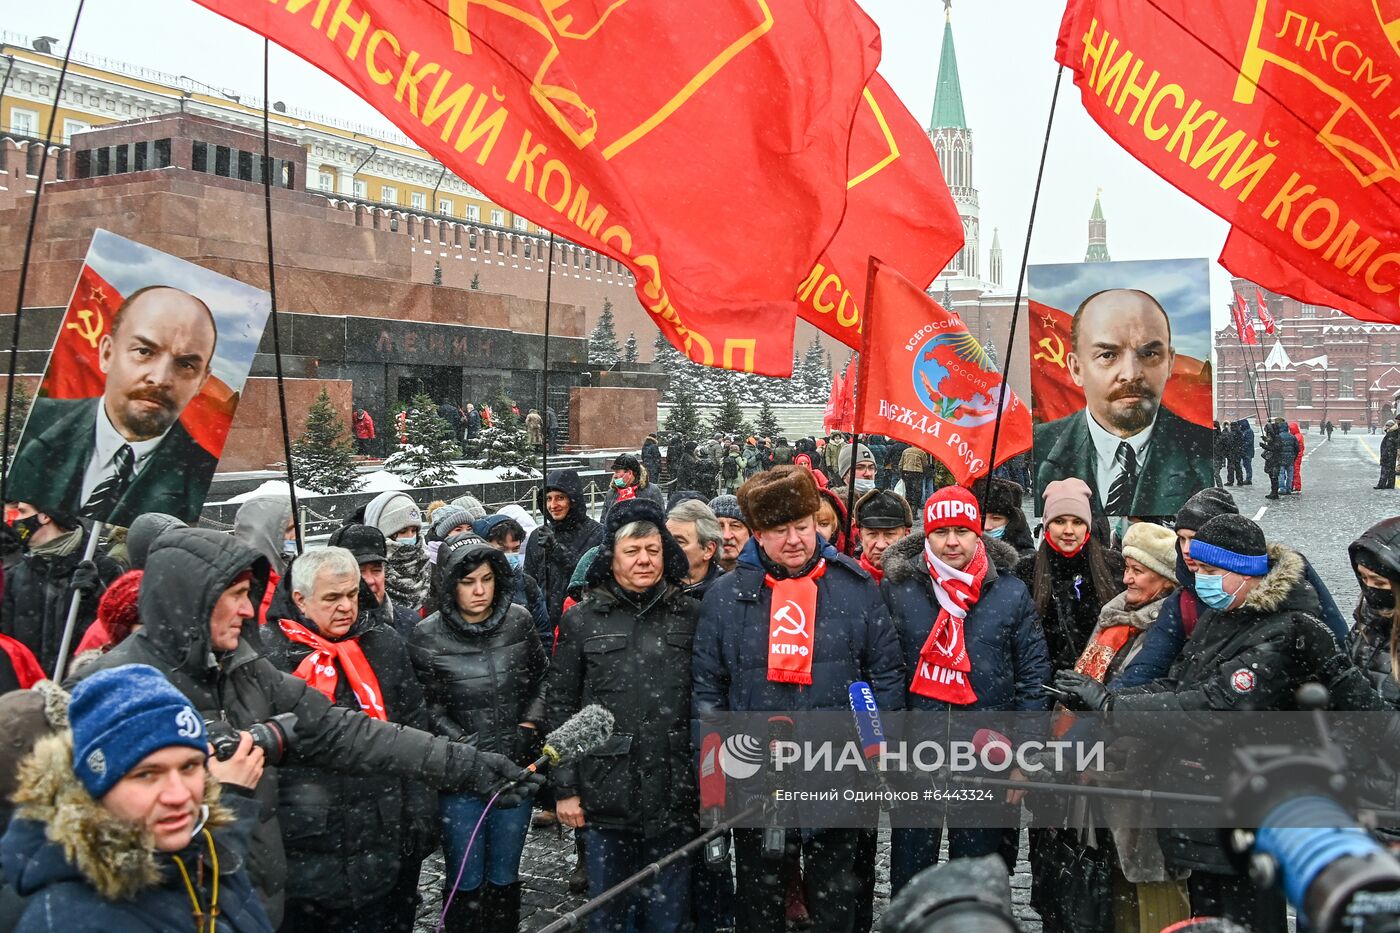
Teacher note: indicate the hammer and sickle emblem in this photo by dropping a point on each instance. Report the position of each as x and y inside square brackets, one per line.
[791, 620]
[88, 330]
[1054, 349]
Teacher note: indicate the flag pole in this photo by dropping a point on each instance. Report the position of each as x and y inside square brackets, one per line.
[1020, 285]
[858, 394]
[1253, 387]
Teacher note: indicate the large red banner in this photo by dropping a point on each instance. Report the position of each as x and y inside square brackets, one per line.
[1188, 391]
[898, 207]
[691, 141]
[1278, 115]
[925, 380]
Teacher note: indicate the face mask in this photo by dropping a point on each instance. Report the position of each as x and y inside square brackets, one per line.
[1211, 590]
[996, 532]
[514, 561]
[24, 527]
[432, 550]
[619, 482]
[1378, 599]
[864, 485]
[401, 543]
[289, 548]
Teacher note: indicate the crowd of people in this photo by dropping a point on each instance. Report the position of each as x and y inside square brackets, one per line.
[256, 738]
[464, 422]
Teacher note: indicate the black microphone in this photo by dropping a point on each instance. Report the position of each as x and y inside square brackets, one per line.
[780, 729]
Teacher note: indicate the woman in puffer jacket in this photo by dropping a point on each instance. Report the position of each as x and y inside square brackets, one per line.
[482, 666]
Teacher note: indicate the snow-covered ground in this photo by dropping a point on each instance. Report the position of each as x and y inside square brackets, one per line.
[375, 482]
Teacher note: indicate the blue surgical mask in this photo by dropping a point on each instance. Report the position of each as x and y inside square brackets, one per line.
[864, 485]
[1211, 590]
[289, 548]
[404, 542]
[996, 532]
[619, 482]
[514, 560]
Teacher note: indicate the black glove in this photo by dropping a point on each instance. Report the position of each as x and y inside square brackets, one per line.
[1085, 693]
[529, 744]
[85, 580]
[496, 771]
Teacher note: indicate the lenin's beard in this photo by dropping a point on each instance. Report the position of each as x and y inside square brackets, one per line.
[142, 421]
[1130, 415]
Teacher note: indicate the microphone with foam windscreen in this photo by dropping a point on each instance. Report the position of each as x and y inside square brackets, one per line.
[996, 745]
[578, 735]
[871, 731]
[713, 792]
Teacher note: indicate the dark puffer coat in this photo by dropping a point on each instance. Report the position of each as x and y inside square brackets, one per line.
[1005, 642]
[1252, 658]
[187, 571]
[555, 548]
[482, 679]
[630, 652]
[346, 834]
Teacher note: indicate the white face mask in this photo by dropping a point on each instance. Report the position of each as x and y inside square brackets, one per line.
[864, 485]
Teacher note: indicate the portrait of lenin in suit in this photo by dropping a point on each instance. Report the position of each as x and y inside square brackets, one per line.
[1139, 457]
[125, 452]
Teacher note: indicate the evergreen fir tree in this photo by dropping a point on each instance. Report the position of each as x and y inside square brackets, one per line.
[767, 422]
[683, 419]
[426, 458]
[629, 349]
[476, 282]
[728, 419]
[505, 446]
[323, 457]
[602, 343]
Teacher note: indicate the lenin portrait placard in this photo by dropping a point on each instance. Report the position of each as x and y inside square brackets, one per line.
[1121, 381]
[141, 387]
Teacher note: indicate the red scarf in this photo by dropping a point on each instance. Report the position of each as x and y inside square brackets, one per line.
[792, 626]
[876, 572]
[26, 666]
[1100, 652]
[944, 665]
[1056, 548]
[625, 493]
[321, 668]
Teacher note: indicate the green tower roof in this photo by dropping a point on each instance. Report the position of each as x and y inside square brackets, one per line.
[947, 98]
[1098, 209]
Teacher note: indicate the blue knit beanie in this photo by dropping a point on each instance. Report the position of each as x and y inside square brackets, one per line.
[1234, 543]
[121, 715]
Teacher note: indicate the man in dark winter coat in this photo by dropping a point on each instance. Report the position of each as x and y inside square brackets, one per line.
[1390, 448]
[554, 550]
[1288, 454]
[449, 412]
[39, 589]
[627, 646]
[745, 662]
[1182, 609]
[651, 458]
[371, 551]
[354, 843]
[1006, 661]
[196, 597]
[1258, 639]
[696, 530]
[1244, 436]
[1271, 447]
[109, 834]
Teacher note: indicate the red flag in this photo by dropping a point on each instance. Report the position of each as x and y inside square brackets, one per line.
[925, 380]
[671, 135]
[76, 372]
[1054, 394]
[1263, 307]
[1276, 116]
[1244, 327]
[833, 404]
[897, 207]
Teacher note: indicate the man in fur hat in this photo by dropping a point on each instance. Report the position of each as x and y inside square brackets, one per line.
[819, 620]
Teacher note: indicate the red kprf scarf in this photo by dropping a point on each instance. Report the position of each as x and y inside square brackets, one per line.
[944, 665]
[792, 626]
[626, 492]
[319, 668]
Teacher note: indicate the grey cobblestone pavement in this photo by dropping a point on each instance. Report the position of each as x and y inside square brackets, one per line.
[1337, 503]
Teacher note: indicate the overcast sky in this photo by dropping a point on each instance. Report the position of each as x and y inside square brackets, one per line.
[1005, 56]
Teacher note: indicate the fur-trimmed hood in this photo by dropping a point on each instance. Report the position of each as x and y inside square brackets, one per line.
[905, 558]
[1284, 587]
[73, 837]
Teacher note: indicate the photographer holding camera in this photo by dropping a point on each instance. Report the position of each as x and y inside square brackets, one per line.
[199, 590]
